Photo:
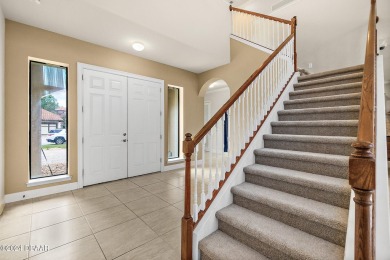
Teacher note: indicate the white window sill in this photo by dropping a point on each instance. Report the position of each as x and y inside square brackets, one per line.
[48, 180]
[176, 160]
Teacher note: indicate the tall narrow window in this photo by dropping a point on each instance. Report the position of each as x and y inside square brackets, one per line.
[174, 122]
[48, 119]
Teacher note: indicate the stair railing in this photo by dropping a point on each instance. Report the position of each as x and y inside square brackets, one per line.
[362, 160]
[213, 153]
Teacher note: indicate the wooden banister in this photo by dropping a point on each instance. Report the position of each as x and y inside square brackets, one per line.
[294, 32]
[187, 222]
[206, 128]
[260, 15]
[362, 160]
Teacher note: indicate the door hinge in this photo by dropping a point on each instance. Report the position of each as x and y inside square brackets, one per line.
[160, 136]
[83, 173]
[82, 139]
[160, 113]
[82, 109]
[82, 77]
[160, 159]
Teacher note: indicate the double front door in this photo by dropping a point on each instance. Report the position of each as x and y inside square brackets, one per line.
[122, 126]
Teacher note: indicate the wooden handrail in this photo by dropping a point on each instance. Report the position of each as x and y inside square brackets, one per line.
[362, 160]
[260, 15]
[206, 128]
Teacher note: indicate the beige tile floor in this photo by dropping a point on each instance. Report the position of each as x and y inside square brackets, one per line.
[135, 218]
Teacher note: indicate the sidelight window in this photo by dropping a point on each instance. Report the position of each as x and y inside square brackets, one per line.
[48, 101]
[174, 122]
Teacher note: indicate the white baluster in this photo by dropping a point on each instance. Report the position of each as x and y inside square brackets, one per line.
[273, 35]
[211, 185]
[239, 127]
[203, 195]
[253, 95]
[222, 175]
[247, 118]
[255, 103]
[229, 134]
[256, 30]
[196, 186]
[216, 156]
[234, 23]
[269, 34]
[263, 91]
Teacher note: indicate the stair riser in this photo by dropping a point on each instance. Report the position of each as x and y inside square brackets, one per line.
[304, 166]
[316, 130]
[337, 199]
[256, 244]
[331, 103]
[327, 84]
[349, 115]
[298, 221]
[327, 148]
[326, 93]
[301, 80]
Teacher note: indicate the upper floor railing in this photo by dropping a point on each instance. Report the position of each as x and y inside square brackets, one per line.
[215, 150]
[362, 160]
[264, 30]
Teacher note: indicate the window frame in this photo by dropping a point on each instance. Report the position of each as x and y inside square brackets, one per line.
[66, 67]
[180, 156]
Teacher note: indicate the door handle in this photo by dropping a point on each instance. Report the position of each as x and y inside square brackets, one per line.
[124, 140]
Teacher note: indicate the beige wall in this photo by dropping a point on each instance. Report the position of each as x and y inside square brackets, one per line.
[23, 41]
[244, 61]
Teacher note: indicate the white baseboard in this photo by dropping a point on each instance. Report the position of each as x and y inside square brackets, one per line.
[172, 167]
[2, 205]
[179, 166]
[29, 194]
[252, 44]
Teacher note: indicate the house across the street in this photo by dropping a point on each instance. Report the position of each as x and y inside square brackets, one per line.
[50, 121]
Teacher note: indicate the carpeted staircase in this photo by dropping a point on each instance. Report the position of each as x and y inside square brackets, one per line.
[294, 201]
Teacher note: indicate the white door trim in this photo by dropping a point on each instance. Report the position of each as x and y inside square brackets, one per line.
[80, 98]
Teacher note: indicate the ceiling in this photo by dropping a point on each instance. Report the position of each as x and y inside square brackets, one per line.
[192, 35]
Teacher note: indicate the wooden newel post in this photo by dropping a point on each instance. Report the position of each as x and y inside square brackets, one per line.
[362, 180]
[187, 223]
[294, 31]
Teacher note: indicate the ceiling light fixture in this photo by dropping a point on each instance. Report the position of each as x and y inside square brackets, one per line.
[38, 2]
[138, 46]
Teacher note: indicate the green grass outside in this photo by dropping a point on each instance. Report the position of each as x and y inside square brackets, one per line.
[49, 146]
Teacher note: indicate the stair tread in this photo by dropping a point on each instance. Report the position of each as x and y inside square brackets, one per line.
[316, 123]
[311, 138]
[291, 241]
[315, 211]
[327, 88]
[331, 79]
[330, 72]
[339, 160]
[215, 247]
[319, 110]
[325, 98]
[321, 182]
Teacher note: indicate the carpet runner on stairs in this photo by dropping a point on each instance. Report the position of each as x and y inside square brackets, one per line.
[295, 198]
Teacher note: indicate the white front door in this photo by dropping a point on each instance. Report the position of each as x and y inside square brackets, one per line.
[144, 125]
[105, 127]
